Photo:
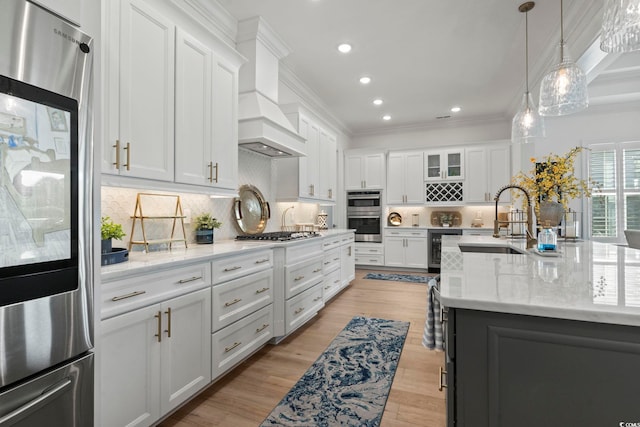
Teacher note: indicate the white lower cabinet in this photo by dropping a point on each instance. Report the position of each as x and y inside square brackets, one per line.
[369, 254]
[303, 306]
[338, 266]
[406, 248]
[236, 342]
[154, 358]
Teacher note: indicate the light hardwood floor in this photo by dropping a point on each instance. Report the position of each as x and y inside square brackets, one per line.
[246, 395]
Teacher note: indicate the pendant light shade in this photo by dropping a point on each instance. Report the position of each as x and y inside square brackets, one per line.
[621, 26]
[564, 89]
[527, 123]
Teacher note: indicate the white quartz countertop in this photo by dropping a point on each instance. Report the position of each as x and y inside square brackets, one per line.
[140, 262]
[586, 281]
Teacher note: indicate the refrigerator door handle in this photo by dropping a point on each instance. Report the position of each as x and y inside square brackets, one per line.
[28, 408]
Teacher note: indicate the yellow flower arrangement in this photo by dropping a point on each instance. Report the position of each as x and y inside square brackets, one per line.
[553, 179]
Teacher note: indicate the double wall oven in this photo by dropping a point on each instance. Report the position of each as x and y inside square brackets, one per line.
[364, 215]
[46, 286]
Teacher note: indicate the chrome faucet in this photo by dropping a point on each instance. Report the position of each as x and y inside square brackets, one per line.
[531, 240]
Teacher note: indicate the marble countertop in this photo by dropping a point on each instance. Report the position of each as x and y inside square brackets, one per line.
[587, 280]
[140, 262]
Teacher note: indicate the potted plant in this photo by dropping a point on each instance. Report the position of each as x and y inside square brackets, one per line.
[551, 184]
[109, 230]
[204, 225]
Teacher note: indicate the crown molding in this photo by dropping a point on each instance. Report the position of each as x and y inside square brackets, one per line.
[213, 16]
[256, 28]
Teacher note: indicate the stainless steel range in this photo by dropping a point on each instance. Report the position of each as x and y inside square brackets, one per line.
[280, 236]
[46, 278]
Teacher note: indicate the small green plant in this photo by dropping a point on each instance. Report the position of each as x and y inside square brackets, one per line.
[109, 229]
[205, 221]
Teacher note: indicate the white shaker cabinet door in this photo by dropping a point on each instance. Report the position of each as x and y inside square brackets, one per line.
[130, 362]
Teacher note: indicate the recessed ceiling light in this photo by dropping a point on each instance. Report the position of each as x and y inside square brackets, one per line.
[386, 117]
[455, 109]
[377, 101]
[365, 80]
[344, 47]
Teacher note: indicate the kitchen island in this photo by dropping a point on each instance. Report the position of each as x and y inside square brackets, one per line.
[537, 340]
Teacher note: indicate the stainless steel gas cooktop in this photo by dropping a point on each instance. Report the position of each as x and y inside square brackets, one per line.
[280, 236]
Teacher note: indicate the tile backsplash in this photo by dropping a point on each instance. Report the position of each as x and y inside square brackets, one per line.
[119, 204]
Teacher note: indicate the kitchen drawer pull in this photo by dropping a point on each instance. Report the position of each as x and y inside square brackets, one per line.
[328, 287]
[335, 242]
[298, 278]
[159, 334]
[168, 330]
[317, 299]
[299, 310]
[373, 250]
[259, 291]
[234, 345]
[326, 244]
[262, 328]
[336, 281]
[237, 267]
[191, 279]
[441, 384]
[230, 303]
[373, 260]
[328, 262]
[336, 259]
[128, 149]
[117, 147]
[317, 270]
[260, 261]
[132, 294]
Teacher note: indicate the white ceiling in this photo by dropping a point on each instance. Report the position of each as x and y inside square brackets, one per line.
[425, 56]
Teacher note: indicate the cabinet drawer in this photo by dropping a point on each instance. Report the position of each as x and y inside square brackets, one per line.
[304, 250]
[364, 259]
[236, 342]
[134, 292]
[303, 307]
[235, 299]
[302, 275]
[237, 266]
[331, 242]
[406, 233]
[347, 238]
[369, 250]
[331, 285]
[331, 261]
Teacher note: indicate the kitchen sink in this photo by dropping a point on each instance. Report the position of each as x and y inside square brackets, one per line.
[491, 249]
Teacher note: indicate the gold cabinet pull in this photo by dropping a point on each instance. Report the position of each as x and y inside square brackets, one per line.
[441, 384]
[230, 303]
[327, 263]
[217, 169]
[261, 261]
[328, 287]
[330, 193]
[128, 150]
[132, 294]
[237, 267]
[117, 147]
[259, 291]
[191, 279]
[262, 328]
[159, 334]
[336, 281]
[336, 259]
[232, 346]
[168, 330]
[299, 310]
[317, 299]
[298, 278]
[210, 166]
[317, 270]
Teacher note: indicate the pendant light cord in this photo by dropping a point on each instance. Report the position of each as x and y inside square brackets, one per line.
[561, 33]
[526, 50]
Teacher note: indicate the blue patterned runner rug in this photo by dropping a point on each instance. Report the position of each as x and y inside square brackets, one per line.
[349, 383]
[400, 277]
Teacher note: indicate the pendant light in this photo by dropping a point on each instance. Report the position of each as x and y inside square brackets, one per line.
[527, 123]
[564, 89]
[621, 26]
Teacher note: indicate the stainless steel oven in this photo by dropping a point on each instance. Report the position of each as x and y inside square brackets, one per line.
[46, 256]
[364, 215]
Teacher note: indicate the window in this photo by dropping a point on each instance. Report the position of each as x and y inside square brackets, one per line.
[616, 207]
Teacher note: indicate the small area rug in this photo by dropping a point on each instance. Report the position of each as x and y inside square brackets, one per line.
[400, 277]
[349, 383]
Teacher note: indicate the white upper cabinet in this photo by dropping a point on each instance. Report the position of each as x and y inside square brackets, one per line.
[405, 183]
[488, 169]
[444, 165]
[140, 92]
[206, 121]
[315, 172]
[364, 171]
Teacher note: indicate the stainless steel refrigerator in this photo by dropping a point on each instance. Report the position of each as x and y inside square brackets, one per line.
[46, 278]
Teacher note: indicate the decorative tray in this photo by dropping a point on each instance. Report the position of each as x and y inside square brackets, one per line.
[116, 256]
[441, 218]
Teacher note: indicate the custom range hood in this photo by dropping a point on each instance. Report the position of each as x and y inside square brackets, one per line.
[262, 126]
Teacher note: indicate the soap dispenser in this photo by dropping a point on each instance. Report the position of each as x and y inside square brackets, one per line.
[547, 238]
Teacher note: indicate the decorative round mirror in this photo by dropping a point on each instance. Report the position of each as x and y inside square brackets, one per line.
[251, 210]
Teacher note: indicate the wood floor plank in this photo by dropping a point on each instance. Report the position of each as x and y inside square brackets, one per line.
[246, 395]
